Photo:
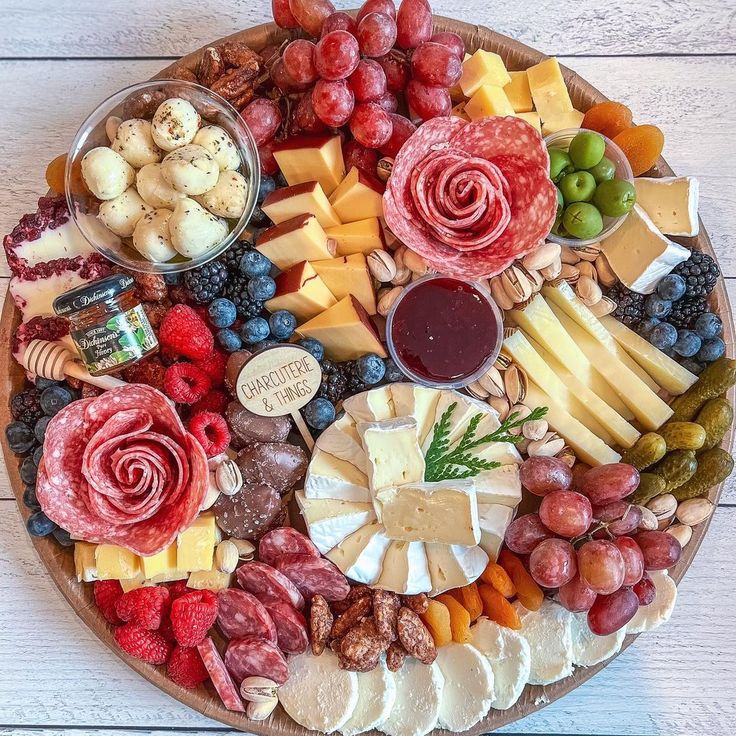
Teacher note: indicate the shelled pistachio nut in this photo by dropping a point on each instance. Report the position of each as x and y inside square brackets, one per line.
[588, 252]
[262, 710]
[542, 257]
[603, 307]
[552, 272]
[228, 477]
[569, 273]
[226, 556]
[588, 290]
[258, 689]
[492, 382]
[516, 284]
[477, 391]
[567, 455]
[415, 263]
[548, 446]
[502, 299]
[535, 430]
[663, 507]
[694, 511]
[681, 532]
[500, 404]
[246, 549]
[568, 255]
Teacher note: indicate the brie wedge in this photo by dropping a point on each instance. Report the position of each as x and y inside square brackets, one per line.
[405, 569]
[660, 609]
[500, 485]
[453, 566]
[376, 697]
[360, 556]
[493, 519]
[459, 417]
[671, 202]
[370, 406]
[420, 402]
[330, 477]
[342, 440]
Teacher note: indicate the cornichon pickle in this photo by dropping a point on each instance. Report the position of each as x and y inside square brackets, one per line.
[683, 435]
[716, 379]
[714, 466]
[650, 485]
[715, 418]
[648, 449]
[677, 467]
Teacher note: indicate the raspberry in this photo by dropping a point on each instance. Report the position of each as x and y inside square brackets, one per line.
[186, 668]
[211, 432]
[167, 630]
[192, 616]
[215, 401]
[150, 371]
[177, 589]
[214, 366]
[146, 607]
[185, 332]
[185, 383]
[143, 644]
[107, 593]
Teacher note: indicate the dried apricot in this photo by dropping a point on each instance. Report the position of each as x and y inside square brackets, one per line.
[642, 145]
[55, 174]
[530, 595]
[459, 618]
[469, 599]
[497, 608]
[608, 117]
[437, 619]
[497, 577]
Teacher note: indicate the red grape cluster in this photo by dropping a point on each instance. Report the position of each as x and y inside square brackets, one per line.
[586, 542]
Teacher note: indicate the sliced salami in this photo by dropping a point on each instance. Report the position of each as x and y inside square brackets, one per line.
[241, 615]
[314, 575]
[220, 676]
[266, 583]
[255, 657]
[291, 627]
[282, 541]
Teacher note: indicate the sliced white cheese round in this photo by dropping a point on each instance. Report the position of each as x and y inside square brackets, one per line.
[418, 699]
[549, 634]
[588, 648]
[318, 694]
[376, 697]
[660, 609]
[510, 659]
[468, 690]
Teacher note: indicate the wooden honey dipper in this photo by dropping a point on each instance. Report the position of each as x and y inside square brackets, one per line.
[54, 361]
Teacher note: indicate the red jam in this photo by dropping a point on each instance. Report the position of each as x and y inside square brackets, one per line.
[444, 330]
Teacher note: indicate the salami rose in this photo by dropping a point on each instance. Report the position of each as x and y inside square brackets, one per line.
[122, 469]
[470, 198]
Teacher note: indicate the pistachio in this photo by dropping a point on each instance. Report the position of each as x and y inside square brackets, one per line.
[522, 412]
[681, 532]
[567, 455]
[523, 445]
[386, 301]
[551, 272]
[228, 477]
[258, 689]
[476, 389]
[226, 556]
[403, 276]
[546, 447]
[515, 383]
[493, 382]
[569, 273]
[537, 280]
[111, 127]
[648, 521]
[603, 307]
[606, 277]
[509, 331]
[503, 361]
[384, 168]
[516, 284]
[415, 263]
[499, 295]
[663, 507]
[694, 511]
[589, 252]
[535, 430]
[586, 268]
[542, 257]
[568, 255]
[262, 710]
[213, 493]
[588, 291]
[246, 549]
[381, 265]
[500, 404]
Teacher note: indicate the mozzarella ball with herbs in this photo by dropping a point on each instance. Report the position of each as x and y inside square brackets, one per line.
[134, 142]
[122, 214]
[154, 189]
[219, 143]
[111, 127]
[151, 237]
[191, 169]
[228, 197]
[194, 230]
[106, 173]
[175, 123]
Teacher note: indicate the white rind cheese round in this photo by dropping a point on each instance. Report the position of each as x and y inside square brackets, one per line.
[376, 697]
[588, 648]
[318, 694]
[660, 609]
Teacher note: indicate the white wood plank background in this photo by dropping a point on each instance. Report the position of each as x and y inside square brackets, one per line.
[672, 61]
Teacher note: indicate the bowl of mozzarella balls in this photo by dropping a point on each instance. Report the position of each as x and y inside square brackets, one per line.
[169, 176]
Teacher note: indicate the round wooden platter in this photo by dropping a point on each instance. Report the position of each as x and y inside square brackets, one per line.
[60, 564]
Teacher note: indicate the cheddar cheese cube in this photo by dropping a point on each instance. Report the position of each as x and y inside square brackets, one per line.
[196, 545]
[488, 100]
[518, 92]
[311, 158]
[302, 292]
[548, 89]
[133, 583]
[160, 564]
[116, 563]
[84, 562]
[562, 121]
[483, 67]
[532, 118]
[213, 580]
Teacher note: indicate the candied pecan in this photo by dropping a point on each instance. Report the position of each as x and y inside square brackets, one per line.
[415, 637]
[395, 656]
[183, 73]
[354, 615]
[210, 66]
[155, 313]
[320, 623]
[238, 53]
[356, 592]
[150, 287]
[241, 101]
[361, 647]
[385, 609]
[419, 603]
[234, 83]
[149, 371]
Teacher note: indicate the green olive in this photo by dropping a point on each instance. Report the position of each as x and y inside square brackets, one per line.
[587, 149]
[582, 220]
[615, 198]
[577, 187]
[604, 170]
[559, 164]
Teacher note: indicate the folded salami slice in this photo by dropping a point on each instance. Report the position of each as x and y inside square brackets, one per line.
[254, 657]
[241, 615]
[291, 626]
[313, 576]
[122, 469]
[283, 541]
[267, 583]
[470, 198]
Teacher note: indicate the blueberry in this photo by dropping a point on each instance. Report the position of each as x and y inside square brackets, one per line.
[282, 323]
[689, 364]
[393, 372]
[63, 537]
[267, 186]
[30, 500]
[28, 471]
[42, 383]
[712, 350]
[655, 306]
[255, 330]
[688, 343]
[708, 325]
[229, 340]
[39, 428]
[370, 368]
[672, 287]
[313, 346]
[253, 263]
[647, 325]
[39, 525]
[222, 312]
[263, 344]
[259, 217]
[663, 336]
[319, 413]
[20, 437]
[37, 455]
[261, 288]
[172, 279]
[281, 180]
[54, 399]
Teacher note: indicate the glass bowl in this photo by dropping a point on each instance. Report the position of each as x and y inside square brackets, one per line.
[141, 101]
[562, 139]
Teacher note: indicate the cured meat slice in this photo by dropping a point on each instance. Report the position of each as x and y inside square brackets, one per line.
[282, 541]
[255, 657]
[220, 676]
[241, 615]
[313, 576]
[291, 627]
[267, 583]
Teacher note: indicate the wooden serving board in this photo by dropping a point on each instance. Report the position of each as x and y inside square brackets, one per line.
[59, 561]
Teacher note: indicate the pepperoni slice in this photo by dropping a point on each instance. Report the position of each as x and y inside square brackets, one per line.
[267, 583]
[282, 541]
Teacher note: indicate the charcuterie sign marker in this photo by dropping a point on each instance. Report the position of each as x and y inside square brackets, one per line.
[278, 381]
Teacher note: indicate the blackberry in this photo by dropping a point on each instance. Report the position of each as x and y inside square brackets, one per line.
[334, 381]
[355, 383]
[26, 406]
[686, 311]
[231, 257]
[630, 305]
[206, 282]
[700, 272]
[236, 290]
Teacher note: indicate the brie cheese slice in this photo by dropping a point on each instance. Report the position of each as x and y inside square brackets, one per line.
[589, 648]
[493, 519]
[370, 406]
[459, 418]
[360, 556]
[453, 566]
[499, 486]
[376, 697]
[420, 402]
[342, 440]
[660, 609]
[330, 477]
[405, 569]
[671, 202]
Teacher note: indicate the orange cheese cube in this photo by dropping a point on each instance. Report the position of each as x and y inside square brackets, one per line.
[358, 197]
[283, 204]
[348, 275]
[311, 158]
[532, 118]
[562, 121]
[302, 292]
[361, 236]
[299, 239]
[518, 92]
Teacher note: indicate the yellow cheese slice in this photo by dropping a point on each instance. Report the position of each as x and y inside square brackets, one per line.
[283, 204]
[518, 92]
[348, 275]
[483, 67]
[293, 241]
[358, 197]
[311, 158]
[361, 236]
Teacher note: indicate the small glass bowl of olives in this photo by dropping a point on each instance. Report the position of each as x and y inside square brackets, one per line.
[595, 186]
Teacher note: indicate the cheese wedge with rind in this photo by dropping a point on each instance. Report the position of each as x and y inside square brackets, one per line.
[493, 519]
[453, 566]
[370, 406]
[501, 485]
[461, 415]
[420, 402]
[671, 203]
[405, 569]
[341, 439]
[360, 555]
[330, 476]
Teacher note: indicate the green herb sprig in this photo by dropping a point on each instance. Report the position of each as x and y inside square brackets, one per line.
[458, 463]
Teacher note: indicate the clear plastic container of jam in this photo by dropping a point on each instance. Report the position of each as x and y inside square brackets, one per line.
[108, 323]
